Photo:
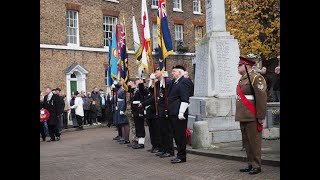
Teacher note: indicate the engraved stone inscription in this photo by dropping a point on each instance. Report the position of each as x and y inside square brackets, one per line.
[224, 63]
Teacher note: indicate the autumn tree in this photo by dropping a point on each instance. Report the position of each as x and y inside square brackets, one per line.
[256, 25]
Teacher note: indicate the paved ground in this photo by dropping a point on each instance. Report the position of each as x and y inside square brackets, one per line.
[92, 154]
[270, 151]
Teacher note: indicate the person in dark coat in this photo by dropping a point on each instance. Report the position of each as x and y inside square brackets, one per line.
[178, 103]
[95, 94]
[123, 121]
[73, 111]
[109, 111]
[86, 107]
[276, 85]
[138, 113]
[166, 131]
[53, 105]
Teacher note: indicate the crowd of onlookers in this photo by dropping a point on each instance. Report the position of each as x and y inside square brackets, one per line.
[83, 109]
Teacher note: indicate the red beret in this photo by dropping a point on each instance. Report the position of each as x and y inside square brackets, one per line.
[246, 60]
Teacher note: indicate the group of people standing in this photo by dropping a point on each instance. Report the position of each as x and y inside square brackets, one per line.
[82, 110]
[162, 103]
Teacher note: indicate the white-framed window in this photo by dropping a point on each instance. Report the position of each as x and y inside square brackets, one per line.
[154, 4]
[177, 5]
[198, 31]
[154, 35]
[109, 23]
[196, 7]
[72, 27]
[178, 32]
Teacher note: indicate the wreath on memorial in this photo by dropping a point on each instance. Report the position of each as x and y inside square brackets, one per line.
[44, 115]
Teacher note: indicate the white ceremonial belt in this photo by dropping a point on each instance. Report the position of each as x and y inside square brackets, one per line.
[249, 97]
[135, 102]
[120, 99]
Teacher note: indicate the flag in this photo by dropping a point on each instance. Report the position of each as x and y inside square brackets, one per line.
[114, 57]
[164, 36]
[137, 46]
[109, 79]
[124, 57]
[146, 47]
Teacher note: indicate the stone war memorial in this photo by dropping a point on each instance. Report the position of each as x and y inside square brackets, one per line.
[212, 108]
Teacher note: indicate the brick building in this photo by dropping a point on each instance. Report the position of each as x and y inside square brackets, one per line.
[74, 38]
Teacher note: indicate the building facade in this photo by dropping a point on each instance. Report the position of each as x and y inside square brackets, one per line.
[75, 37]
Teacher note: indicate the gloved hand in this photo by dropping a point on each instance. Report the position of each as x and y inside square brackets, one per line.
[180, 116]
[121, 113]
[152, 76]
[183, 107]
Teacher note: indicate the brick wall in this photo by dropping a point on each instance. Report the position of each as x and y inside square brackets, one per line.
[53, 31]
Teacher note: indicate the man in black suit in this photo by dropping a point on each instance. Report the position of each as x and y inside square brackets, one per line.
[53, 104]
[178, 103]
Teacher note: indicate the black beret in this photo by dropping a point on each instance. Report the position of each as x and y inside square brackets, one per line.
[178, 67]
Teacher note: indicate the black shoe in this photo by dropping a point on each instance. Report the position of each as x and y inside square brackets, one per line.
[58, 138]
[160, 153]
[108, 124]
[150, 150]
[156, 150]
[133, 143]
[247, 169]
[51, 140]
[166, 155]
[124, 142]
[120, 140]
[116, 138]
[177, 160]
[138, 146]
[255, 171]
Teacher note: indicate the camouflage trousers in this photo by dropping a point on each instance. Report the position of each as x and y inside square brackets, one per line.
[131, 124]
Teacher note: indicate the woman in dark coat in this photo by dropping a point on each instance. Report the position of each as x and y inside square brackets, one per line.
[73, 112]
[93, 112]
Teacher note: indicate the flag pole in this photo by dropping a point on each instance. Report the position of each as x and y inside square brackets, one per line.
[165, 89]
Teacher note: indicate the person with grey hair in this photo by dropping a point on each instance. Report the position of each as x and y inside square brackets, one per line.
[178, 103]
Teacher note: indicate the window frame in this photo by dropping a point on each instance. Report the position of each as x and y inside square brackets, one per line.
[196, 29]
[179, 3]
[76, 27]
[198, 2]
[153, 5]
[179, 31]
[114, 20]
